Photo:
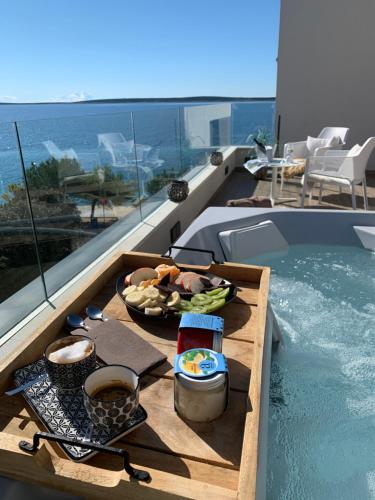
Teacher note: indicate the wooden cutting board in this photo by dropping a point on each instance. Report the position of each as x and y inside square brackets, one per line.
[117, 344]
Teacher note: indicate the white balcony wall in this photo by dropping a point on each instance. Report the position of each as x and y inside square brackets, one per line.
[326, 70]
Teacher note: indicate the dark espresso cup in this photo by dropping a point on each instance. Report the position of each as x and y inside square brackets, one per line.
[66, 371]
[111, 396]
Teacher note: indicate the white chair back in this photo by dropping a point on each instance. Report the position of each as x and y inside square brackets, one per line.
[116, 145]
[330, 132]
[53, 149]
[108, 139]
[362, 157]
[58, 153]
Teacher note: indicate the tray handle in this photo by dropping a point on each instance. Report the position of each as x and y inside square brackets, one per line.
[140, 475]
[211, 252]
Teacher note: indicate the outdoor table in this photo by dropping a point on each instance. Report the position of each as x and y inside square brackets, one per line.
[252, 166]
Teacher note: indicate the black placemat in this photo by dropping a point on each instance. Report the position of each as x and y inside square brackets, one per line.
[63, 412]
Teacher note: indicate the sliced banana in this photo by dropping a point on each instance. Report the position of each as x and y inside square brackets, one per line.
[135, 298]
[147, 303]
[153, 311]
[129, 289]
[140, 288]
[152, 293]
[173, 299]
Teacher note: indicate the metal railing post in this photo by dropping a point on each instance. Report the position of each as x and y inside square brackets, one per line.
[136, 162]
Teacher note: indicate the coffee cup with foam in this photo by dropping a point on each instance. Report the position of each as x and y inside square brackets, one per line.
[70, 360]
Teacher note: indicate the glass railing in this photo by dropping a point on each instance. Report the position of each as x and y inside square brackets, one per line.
[67, 181]
[18, 251]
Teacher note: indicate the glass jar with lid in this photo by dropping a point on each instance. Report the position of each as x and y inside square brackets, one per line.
[201, 385]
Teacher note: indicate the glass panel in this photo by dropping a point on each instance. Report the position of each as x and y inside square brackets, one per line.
[157, 134]
[204, 128]
[18, 260]
[83, 183]
[253, 119]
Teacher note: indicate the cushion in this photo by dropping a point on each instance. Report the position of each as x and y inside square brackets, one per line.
[254, 201]
[314, 143]
[289, 172]
[336, 141]
[246, 243]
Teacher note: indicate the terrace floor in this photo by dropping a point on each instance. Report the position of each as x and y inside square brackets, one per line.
[241, 184]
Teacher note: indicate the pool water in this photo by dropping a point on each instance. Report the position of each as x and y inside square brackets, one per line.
[322, 396]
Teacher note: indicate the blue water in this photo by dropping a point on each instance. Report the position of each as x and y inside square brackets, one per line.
[322, 408]
[77, 125]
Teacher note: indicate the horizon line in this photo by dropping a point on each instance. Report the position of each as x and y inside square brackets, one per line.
[148, 99]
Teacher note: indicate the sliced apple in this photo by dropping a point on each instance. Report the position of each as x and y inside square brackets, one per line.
[143, 274]
[196, 285]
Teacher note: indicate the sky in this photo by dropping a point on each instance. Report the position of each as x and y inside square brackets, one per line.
[69, 50]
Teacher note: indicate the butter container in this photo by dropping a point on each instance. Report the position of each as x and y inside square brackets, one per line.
[200, 330]
[201, 385]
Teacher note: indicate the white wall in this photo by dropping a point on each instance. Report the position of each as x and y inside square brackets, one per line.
[326, 68]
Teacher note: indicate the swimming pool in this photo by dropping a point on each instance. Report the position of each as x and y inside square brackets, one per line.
[321, 437]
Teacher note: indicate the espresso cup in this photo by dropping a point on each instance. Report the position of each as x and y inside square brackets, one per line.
[66, 371]
[111, 396]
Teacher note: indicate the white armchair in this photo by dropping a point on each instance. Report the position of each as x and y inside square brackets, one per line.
[343, 168]
[121, 152]
[300, 148]
[68, 173]
[60, 154]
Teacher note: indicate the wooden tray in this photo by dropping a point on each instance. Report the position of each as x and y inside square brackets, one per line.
[219, 460]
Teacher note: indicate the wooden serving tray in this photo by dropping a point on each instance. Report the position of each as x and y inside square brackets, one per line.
[219, 460]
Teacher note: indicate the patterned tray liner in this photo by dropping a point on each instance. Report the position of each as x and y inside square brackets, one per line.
[63, 413]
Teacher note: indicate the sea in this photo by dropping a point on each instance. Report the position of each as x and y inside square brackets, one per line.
[74, 127]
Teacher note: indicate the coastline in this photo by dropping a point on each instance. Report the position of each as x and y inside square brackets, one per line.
[123, 100]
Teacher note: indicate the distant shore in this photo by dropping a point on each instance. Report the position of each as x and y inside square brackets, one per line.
[153, 100]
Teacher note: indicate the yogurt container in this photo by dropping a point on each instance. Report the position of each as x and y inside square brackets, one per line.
[200, 330]
[201, 386]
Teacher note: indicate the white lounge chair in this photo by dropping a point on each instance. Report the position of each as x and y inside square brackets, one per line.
[122, 152]
[300, 150]
[153, 160]
[60, 154]
[344, 168]
[68, 172]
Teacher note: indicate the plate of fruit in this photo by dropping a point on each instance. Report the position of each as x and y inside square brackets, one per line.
[168, 291]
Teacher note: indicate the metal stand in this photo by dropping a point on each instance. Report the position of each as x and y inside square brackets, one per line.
[273, 197]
